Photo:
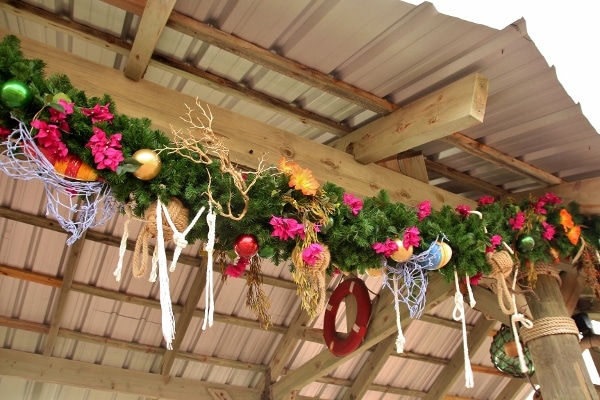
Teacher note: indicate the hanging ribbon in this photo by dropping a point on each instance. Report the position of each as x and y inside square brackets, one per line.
[459, 315]
[168, 319]
[211, 218]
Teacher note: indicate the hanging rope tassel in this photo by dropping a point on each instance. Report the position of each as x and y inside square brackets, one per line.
[211, 219]
[179, 237]
[459, 315]
[168, 319]
[515, 318]
[472, 301]
[400, 340]
[123, 247]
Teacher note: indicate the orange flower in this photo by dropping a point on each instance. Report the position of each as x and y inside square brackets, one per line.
[287, 167]
[566, 220]
[302, 179]
[573, 234]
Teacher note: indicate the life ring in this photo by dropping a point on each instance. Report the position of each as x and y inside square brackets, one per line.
[343, 346]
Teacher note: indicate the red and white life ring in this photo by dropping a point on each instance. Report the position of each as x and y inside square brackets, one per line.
[343, 346]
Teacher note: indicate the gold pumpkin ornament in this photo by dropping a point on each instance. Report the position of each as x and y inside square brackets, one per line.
[151, 164]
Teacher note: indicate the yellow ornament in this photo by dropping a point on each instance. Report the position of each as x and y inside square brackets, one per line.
[151, 164]
[402, 254]
[375, 271]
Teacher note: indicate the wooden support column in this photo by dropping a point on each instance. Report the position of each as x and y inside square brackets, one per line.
[559, 366]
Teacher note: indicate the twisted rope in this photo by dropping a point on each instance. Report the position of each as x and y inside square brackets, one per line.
[550, 326]
[502, 266]
[544, 268]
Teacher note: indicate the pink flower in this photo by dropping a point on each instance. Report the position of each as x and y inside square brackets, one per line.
[312, 253]
[354, 203]
[551, 198]
[463, 210]
[98, 113]
[424, 210]
[474, 280]
[495, 241]
[386, 248]
[48, 137]
[236, 270]
[484, 200]
[4, 131]
[286, 228]
[538, 207]
[518, 221]
[105, 150]
[61, 117]
[411, 237]
[549, 231]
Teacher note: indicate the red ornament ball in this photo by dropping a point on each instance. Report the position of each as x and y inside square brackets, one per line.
[246, 245]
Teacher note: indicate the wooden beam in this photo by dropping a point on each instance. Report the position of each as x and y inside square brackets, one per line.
[371, 368]
[155, 16]
[483, 151]
[247, 139]
[456, 366]
[382, 325]
[585, 192]
[409, 163]
[267, 58]
[455, 107]
[60, 371]
[513, 388]
[465, 179]
[559, 366]
[65, 288]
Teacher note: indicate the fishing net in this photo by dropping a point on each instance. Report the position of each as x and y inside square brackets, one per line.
[76, 205]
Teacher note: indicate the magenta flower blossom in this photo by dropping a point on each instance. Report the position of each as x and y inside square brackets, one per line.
[312, 254]
[4, 131]
[495, 241]
[518, 221]
[98, 113]
[236, 270]
[354, 203]
[59, 117]
[424, 210]
[106, 151]
[484, 200]
[463, 210]
[549, 231]
[474, 280]
[551, 198]
[386, 248]
[538, 207]
[286, 228]
[411, 237]
[48, 137]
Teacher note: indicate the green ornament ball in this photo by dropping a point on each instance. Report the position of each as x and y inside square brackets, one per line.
[15, 94]
[266, 251]
[526, 243]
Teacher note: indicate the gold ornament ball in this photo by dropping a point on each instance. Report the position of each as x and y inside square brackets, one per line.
[402, 254]
[151, 164]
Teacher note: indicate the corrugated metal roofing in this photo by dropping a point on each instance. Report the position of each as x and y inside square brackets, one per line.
[391, 49]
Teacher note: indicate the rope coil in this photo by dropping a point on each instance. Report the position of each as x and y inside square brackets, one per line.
[549, 326]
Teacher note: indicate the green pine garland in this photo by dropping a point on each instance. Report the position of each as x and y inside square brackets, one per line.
[349, 236]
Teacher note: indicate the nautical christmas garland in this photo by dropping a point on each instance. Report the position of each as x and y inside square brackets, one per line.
[279, 212]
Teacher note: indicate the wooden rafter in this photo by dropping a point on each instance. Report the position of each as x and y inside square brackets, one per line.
[154, 18]
[101, 377]
[455, 107]
[65, 288]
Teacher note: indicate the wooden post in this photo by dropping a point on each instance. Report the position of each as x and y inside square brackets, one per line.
[559, 366]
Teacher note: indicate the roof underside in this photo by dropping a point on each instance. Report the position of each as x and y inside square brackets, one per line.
[64, 301]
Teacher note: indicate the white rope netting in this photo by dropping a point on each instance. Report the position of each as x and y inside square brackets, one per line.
[76, 205]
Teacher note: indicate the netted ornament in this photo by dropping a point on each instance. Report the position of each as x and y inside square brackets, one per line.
[504, 354]
[77, 205]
